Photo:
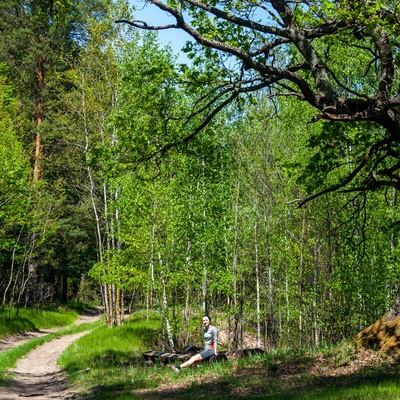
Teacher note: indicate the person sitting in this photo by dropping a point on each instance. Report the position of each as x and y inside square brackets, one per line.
[210, 346]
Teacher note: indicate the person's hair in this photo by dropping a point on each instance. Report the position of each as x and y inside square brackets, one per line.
[206, 315]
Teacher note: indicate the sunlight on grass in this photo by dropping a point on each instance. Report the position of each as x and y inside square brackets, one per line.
[384, 391]
[108, 364]
[14, 320]
[114, 358]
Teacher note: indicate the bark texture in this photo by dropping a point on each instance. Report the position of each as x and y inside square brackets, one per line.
[384, 334]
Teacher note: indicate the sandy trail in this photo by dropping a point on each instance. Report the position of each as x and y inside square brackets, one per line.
[37, 375]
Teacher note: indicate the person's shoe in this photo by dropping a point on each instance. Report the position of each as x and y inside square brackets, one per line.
[175, 368]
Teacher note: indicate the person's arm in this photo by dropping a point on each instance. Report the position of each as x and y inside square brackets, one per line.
[215, 334]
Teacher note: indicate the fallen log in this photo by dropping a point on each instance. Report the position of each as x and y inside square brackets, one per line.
[221, 356]
[244, 353]
[164, 356]
[168, 357]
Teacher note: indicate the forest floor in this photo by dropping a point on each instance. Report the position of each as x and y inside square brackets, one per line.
[296, 376]
[37, 375]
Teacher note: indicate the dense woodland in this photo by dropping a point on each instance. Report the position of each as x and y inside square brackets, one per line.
[257, 183]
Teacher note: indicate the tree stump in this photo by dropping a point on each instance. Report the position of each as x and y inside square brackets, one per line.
[384, 334]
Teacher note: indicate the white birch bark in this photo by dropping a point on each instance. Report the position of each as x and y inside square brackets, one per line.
[165, 309]
[257, 270]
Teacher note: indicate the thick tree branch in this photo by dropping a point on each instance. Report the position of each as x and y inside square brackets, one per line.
[144, 25]
[280, 50]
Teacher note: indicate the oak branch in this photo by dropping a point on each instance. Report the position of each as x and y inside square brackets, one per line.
[286, 47]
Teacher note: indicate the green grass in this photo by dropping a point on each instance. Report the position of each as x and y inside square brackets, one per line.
[108, 365]
[114, 356]
[14, 320]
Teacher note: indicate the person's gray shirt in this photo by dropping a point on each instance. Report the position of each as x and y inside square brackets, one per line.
[211, 337]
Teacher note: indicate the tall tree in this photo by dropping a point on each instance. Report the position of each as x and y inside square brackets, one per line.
[38, 37]
[95, 81]
[40, 42]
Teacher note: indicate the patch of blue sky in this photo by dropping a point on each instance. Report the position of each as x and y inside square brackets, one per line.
[153, 16]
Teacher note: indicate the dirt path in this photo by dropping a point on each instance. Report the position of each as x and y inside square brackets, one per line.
[37, 375]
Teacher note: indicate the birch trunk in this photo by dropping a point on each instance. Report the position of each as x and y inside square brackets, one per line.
[150, 288]
[186, 312]
[315, 286]
[203, 245]
[236, 333]
[164, 311]
[257, 270]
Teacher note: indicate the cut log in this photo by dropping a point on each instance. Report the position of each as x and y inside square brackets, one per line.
[384, 334]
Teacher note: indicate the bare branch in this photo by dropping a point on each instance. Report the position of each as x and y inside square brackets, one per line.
[144, 25]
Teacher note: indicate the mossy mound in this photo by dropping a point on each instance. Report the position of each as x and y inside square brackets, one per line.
[383, 335]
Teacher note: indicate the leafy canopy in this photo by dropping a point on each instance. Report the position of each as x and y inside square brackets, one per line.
[338, 56]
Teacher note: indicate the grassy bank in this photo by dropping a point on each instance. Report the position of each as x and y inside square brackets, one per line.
[108, 363]
[16, 320]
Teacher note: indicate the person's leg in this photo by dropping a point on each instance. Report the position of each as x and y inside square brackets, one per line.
[196, 359]
[207, 354]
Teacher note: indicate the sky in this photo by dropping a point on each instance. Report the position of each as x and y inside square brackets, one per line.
[152, 15]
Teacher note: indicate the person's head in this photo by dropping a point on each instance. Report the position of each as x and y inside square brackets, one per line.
[206, 320]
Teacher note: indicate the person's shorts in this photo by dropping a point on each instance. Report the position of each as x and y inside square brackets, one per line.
[207, 354]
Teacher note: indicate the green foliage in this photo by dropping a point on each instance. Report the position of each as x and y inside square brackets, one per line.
[148, 97]
[182, 216]
[50, 229]
[14, 179]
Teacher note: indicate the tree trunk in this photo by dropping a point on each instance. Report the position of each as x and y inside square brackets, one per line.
[394, 310]
[39, 120]
[186, 312]
[235, 301]
[271, 297]
[64, 293]
[257, 271]
[165, 314]
[151, 285]
[203, 245]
